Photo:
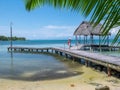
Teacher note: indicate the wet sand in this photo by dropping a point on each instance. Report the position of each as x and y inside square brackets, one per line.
[86, 79]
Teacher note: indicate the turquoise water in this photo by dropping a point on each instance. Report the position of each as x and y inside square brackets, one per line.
[24, 66]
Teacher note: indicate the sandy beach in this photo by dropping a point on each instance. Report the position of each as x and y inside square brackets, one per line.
[88, 79]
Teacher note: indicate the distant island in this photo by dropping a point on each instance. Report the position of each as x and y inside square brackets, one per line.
[4, 38]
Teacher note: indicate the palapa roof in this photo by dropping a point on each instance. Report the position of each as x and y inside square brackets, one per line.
[85, 28]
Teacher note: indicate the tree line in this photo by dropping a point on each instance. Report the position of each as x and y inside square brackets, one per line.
[4, 38]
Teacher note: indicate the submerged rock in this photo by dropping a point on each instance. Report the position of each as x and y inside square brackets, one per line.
[101, 87]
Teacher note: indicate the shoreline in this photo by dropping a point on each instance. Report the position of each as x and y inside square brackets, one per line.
[80, 82]
[88, 80]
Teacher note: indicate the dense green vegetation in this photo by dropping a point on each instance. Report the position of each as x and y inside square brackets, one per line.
[4, 38]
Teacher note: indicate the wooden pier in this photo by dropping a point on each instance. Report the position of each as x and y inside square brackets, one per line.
[102, 47]
[109, 62]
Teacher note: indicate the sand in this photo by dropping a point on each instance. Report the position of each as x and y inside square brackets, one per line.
[87, 79]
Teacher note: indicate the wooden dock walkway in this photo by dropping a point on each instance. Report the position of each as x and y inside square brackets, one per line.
[107, 61]
[102, 47]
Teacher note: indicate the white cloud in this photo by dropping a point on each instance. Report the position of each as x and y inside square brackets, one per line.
[44, 32]
[53, 32]
[57, 27]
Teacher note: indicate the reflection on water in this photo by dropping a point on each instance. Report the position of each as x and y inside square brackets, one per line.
[12, 67]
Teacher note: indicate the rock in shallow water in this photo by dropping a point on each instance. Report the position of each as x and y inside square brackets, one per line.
[101, 87]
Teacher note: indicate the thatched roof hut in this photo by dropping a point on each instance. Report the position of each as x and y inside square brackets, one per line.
[85, 28]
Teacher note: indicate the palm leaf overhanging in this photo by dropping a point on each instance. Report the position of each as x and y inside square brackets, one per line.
[105, 11]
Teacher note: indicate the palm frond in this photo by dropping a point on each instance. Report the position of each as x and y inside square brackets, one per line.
[107, 11]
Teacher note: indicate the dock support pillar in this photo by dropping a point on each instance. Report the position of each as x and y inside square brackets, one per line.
[47, 50]
[80, 60]
[56, 52]
[90, 64]
[86, 63]
[28, 50]
[37, 50]
[73, 60]
[42, 50]
[52, 50]
[66, 56]
[22, 50]
[31, 50]
[60, 53]
[108, 71]
[70, 57]
[101, 68]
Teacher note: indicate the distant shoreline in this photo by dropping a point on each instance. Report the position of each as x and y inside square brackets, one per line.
[4, 38]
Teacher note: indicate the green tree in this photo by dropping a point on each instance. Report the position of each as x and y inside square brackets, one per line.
[4, 38]
[107, 11]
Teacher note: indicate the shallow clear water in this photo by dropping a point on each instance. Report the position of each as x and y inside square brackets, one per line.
[24, 66]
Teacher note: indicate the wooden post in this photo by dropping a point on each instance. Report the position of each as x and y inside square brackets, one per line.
[11, 44]
[29, 50]
[70, 57]
[66, 55]
[32, 50]
[76, 40]
[60, 53]
[108, 71]
[73, 60]
[108, 40]
[91, 37]
[79, 60]
[101, 68]
[80, 39]
[56, 52]
[52, 50]
[99, 40]
[86, 39]
[36, 50]
[8, 49]
[110, 49]
[100, 43]
[47, 50]
[90, 64]
[86, 63]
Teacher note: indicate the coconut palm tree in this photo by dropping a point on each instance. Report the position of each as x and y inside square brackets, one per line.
[105, 11]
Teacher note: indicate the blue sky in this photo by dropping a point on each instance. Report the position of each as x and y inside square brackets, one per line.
[42, 23]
